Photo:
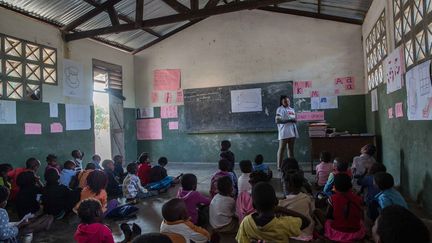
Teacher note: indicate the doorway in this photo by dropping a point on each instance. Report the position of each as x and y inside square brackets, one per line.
[102, 131]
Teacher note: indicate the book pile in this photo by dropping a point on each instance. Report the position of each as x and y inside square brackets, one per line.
[318, 129]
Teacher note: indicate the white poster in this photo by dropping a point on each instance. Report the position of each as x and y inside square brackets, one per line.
[394, 69]
[374, 99]
[53, 109]
[324, 102]
[73, 79]
[419, 95]
[7, 112]
[146, 112]
[246, 100]
[78, 117]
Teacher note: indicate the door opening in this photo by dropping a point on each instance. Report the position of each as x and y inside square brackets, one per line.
[102, 130]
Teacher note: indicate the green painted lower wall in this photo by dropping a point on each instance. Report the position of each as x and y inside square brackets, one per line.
[182, 147]
[404, 146]
[130, 134]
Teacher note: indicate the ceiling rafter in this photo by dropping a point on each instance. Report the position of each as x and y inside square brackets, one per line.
[191, 15]
[139, 12]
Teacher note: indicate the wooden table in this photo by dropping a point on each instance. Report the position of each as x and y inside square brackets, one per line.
[343, 147]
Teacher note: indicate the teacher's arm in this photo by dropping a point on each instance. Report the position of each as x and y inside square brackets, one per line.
[280, 120]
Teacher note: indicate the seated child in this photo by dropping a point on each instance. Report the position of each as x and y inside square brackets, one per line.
[227, 154]
[82, 176]
[96, 184]
[363, 162]
[290, 166]
[176, 220]
[396, 224]
[96, 159]
[77, 158]
[55, 197]
[4, 179]
[144, 168]
[192, 198]
[113, 188]
[260, 166]
[32, 164]
[8, 231]
[91, 228]
[152, 238]
[27, 197]
[323, 169]
[345, 223]
[67, 173]
[158, 172]
[301, 203]
[243, 180]
[222, 207]
[118, 168]
[388, 195]
[367, 183]
[341, 167]
[51, 160]
[264, 225]
[244, 205]
[223, 171]
[132, 186]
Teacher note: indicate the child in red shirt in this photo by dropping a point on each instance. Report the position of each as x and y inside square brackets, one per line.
[144, 168]
[32, 164]
[345, 223]
[91, 229]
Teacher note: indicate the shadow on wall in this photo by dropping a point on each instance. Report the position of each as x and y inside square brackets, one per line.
[425, 194]
[404, 174]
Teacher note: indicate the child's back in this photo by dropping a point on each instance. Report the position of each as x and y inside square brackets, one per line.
[26, 199]
[158, 172]
[191, 197]
[227, 154]
[222, 207]
[222, 172]
[324, 168]
[67, 173]
[55, 197]
[388, 195]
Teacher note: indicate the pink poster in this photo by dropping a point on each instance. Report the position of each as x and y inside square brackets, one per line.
[166, 79]
[169, 111]
[173, 125]
[348, 83]
[56, 127]
[180, 97]
[149, 129]
[32, 128]
[300, 86]
[390, 113]
[168, 98]
[314, 93]
[310, 116]
[399, 109]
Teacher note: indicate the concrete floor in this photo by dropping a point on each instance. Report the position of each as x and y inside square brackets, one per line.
[149, 216]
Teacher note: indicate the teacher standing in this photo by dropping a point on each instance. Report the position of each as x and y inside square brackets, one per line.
[287, 129]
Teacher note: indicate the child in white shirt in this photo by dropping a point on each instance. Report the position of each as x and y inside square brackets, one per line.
[222, 208]
[132, 185]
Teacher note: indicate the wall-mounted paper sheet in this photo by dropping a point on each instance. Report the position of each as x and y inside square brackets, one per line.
[399, 109]
[149, 129]
[301, 87]
[7, 112]
[419, 92]
[173, 125]
[310, 116]
[53, 109]
[77, 117]
[73, 79]
[346, 83]
[166, 79]
[56, 127]
[374, 100]
[390, 112]
[32, 128]
[246, 100]
[169, 111]
[146, 112]
[324, 102]
[394, 69]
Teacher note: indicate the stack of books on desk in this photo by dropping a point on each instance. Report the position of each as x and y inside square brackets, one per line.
[318, 129]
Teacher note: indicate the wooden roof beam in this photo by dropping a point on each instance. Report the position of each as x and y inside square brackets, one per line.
[139, 11]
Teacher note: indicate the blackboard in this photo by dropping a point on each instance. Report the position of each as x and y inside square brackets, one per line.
[208, 110]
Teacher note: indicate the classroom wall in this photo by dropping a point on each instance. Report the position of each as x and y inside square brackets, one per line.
[404, 146]
[82, 51]
[253, 47]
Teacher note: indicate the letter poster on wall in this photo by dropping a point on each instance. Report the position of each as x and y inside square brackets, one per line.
[419, 94]
[394, 68]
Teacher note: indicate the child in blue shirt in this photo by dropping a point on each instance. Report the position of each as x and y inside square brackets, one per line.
[260, 166]
[67, 173]
[388, 195]
[8, 231]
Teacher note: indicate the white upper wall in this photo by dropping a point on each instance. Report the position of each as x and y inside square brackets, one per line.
[82, 51]
[254, 47]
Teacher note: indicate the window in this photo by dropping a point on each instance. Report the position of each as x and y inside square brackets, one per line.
[24, 67]
[413, 29]
[376, 51]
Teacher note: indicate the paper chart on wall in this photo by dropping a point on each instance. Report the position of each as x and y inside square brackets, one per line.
[394, 68]
[7, 112]
[77, 117]
[324, 102]
[53, 109]
[149, 129]
[374, 100]
[246, 100]
[146, 112]
[419, 94]
[73, 79]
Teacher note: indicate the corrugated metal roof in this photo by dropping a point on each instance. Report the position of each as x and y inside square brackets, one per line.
[64, 12]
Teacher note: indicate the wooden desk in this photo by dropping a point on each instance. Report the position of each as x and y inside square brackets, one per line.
[345, 148]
